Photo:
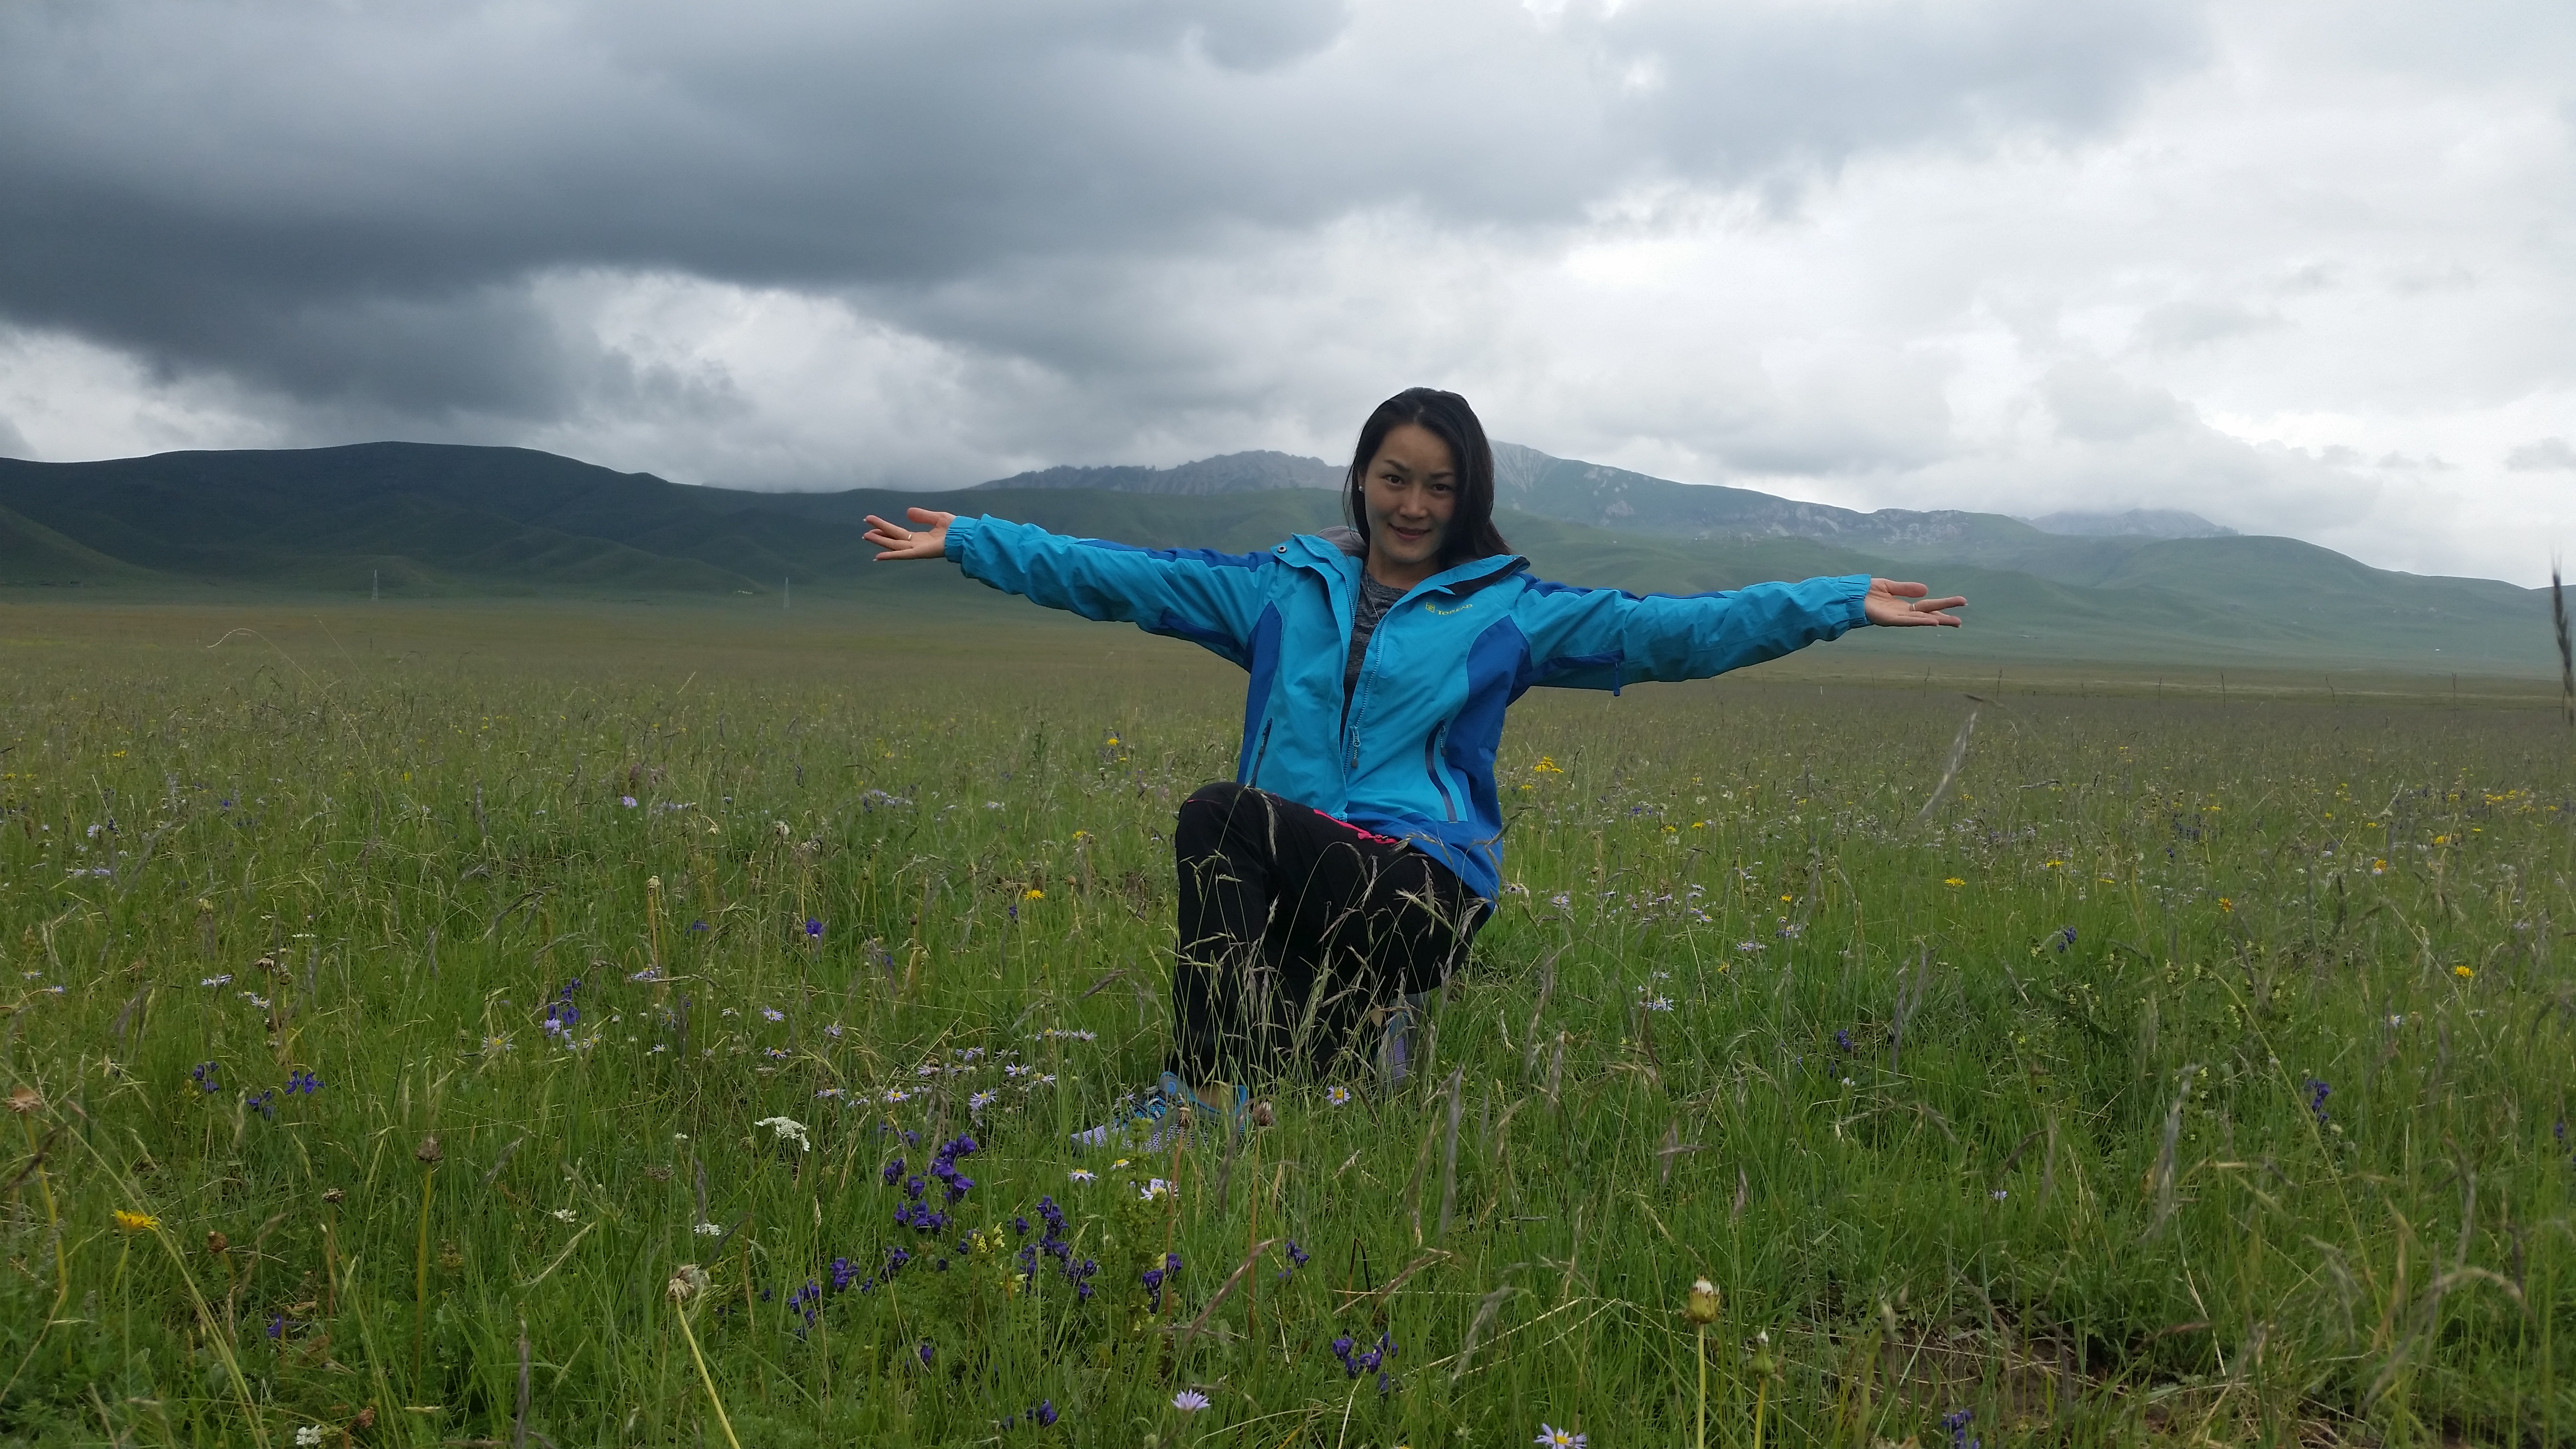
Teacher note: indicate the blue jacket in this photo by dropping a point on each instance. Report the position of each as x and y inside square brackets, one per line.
[1413, 755]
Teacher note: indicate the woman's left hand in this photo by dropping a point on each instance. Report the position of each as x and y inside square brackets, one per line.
[1904, 605]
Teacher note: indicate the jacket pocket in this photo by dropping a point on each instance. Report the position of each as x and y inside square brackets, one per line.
[1253, 777]
[1431, 767]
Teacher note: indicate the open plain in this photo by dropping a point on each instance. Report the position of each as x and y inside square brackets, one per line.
[577, 1024]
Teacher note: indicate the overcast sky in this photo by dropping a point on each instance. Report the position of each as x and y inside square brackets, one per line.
[2302, 268]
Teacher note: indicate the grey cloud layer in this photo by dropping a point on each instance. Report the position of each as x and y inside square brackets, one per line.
[342, 204]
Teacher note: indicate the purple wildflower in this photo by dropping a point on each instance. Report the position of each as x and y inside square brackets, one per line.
[2317, 1091]
[813, 929]
[205, 1074]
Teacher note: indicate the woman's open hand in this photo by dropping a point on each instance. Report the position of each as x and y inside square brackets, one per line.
[927, 539]
[1890, 602]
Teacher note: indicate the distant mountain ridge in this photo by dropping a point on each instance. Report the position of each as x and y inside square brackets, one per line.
[1227, 473]
[424, 520]
[2135, 523]
[1626, 502]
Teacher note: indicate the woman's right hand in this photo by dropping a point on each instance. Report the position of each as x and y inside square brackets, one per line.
[927, 539]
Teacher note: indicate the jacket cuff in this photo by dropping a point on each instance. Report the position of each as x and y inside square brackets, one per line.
[1852, 610]
[961, 537]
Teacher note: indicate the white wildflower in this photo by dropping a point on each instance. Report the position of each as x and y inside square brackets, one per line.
[788, 1130]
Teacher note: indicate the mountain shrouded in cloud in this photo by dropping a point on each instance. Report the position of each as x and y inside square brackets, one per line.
[2001, 254]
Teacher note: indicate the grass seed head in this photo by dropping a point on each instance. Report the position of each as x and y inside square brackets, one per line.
[429, 1152]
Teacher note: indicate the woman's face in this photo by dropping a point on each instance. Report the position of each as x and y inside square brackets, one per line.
[1411, 492]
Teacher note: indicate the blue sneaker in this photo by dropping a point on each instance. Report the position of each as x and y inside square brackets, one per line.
[1151, 1114]
[1146, 1115]
[1237, 1115]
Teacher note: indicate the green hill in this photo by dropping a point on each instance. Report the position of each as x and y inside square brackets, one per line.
[421, 520]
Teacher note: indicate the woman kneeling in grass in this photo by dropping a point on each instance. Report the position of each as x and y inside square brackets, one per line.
[1349, 861]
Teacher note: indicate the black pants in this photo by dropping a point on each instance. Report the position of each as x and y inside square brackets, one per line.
[1298, 933]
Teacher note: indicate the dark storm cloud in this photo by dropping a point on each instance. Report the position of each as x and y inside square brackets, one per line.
[344, 203]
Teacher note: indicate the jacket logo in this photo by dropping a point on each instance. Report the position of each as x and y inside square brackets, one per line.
[1462, 606]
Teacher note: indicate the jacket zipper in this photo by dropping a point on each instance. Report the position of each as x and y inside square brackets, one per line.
[1431, 767]
[1259, 750]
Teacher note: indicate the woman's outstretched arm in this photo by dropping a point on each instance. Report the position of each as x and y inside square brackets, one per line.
[1214, 600]
[1604, 638]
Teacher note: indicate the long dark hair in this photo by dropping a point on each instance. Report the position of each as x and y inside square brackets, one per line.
[1446, 416]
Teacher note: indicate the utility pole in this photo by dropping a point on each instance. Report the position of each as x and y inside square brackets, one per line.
[786, 594]
[375, 585]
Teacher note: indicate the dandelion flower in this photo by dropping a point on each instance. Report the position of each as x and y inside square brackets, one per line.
[2463, 972]
[687, 1281]
[1034, 894]
[1189, 1401]
[1702, 1304]
[135, 1222]
[1555, 1438]
[1951, 881]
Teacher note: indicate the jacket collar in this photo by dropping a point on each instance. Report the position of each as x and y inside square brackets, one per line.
[1338, 550]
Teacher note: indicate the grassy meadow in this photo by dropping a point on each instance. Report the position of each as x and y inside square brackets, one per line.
[561, 1025]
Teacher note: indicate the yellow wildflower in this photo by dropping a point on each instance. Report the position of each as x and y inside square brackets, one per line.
[1954, 881]
[1033, 894]
[2463, 972]
[135, 1222]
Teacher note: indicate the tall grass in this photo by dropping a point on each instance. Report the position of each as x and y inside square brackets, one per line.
[2181, 1072]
